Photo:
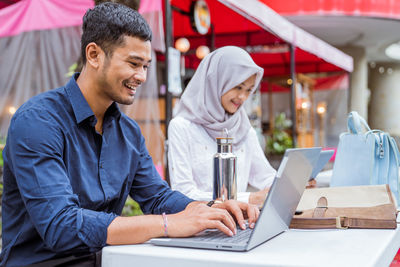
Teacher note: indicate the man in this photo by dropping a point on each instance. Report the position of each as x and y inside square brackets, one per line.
[72, 158]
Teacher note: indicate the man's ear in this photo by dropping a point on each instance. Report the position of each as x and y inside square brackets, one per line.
[94, 55]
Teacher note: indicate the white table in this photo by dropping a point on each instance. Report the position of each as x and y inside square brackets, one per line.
[349, 247]
[292, 248]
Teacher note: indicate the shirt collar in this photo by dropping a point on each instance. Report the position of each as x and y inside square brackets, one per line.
[81, 107]
[113, 111]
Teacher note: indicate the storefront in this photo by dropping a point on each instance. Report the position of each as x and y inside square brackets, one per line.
[291, 58]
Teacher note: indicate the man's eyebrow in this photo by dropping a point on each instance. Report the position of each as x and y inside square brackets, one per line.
[138, 58]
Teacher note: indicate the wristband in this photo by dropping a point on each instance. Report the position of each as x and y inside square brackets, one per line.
[165, 224]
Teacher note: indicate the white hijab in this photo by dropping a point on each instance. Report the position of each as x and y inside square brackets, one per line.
[219, 72]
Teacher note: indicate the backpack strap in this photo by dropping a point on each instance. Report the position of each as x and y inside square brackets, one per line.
[395, 148]
[355, 123]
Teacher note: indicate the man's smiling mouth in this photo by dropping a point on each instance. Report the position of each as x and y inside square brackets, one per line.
[132, 87]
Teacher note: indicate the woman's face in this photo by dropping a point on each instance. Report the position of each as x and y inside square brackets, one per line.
[234, 98]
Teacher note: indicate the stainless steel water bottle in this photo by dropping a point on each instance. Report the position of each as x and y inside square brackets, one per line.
[225, 186]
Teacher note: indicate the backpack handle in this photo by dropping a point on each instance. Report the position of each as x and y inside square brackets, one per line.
[355, 122]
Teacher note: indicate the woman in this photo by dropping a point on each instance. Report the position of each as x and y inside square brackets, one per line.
[213, 101]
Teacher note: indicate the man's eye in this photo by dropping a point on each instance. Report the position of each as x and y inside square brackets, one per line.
[145, 67]
[239, 87]
[133, 64]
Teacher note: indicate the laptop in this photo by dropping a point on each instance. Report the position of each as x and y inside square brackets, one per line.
[279, 207]
[324, 157]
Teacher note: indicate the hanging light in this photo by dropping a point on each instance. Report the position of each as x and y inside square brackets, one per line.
[321, 107]
[202, 51]
[393, 51]
[305, 104]
[182, 44]
[372, 64]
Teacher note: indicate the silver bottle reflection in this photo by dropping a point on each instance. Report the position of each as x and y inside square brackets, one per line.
[225, 186]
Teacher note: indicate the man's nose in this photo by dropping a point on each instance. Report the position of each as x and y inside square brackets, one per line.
[141, 75]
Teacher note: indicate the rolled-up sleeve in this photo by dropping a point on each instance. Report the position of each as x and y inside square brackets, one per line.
[42, 179]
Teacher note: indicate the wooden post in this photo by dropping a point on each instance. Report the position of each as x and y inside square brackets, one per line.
[168, 96]
[293, 94]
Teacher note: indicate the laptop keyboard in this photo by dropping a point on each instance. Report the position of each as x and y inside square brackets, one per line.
[218, 236]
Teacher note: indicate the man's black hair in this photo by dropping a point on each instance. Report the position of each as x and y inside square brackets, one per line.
[134, 4]
[108, 23]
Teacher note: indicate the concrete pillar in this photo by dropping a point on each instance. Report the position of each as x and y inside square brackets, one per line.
[359, 93]
[384, 110]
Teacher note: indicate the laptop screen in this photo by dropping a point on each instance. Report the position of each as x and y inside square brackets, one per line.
[285, 193]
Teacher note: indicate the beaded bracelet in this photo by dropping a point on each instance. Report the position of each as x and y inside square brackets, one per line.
[165, 224]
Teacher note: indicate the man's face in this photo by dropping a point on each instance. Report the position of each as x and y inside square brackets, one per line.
[126, 69]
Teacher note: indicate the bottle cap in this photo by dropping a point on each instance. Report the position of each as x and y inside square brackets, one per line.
[224, 140]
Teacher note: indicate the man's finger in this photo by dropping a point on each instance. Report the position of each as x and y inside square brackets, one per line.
[223, 216]
[215, 224]
[252, 212]
[236, 210]
[228, 221]
[223, 207]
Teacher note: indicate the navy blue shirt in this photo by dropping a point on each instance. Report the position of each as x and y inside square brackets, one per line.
[64, 183]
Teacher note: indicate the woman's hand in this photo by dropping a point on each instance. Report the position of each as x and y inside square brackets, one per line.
[258, 198]
[312, 184]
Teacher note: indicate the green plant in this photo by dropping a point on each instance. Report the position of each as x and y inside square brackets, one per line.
[279, 140]
[131, 208]
[71, 70]
[2, 143]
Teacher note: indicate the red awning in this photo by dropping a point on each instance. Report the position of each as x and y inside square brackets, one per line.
[252, 24]
[368, 8]
[333, 82]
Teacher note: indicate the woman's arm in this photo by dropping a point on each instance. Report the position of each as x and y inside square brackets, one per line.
[180, 160]
[261, 172]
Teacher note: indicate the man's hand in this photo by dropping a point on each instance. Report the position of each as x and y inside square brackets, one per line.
[240, 211]
[198, 216]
